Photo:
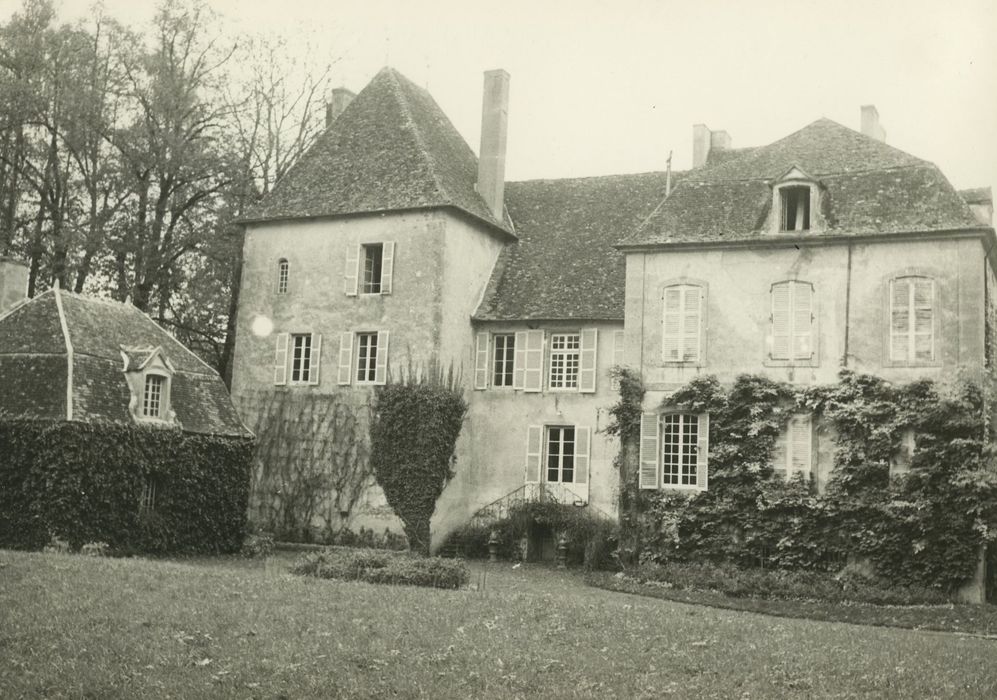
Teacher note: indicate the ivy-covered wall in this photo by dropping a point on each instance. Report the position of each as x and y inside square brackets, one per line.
[83, 482]
[923, 527]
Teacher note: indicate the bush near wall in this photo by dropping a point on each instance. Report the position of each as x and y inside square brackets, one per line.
[923, 528]
[83, 482]
[382, 566]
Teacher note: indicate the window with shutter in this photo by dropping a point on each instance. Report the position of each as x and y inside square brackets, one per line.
[792, 322]
[503, 359]
[301, 358]
[481, 361]
[648, 477]
[912, 319]
[681, 329]
[565, 354]
[680, 450]
[793, 451]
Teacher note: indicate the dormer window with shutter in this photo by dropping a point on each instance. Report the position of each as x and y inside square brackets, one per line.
[795, 203]
[792, 339]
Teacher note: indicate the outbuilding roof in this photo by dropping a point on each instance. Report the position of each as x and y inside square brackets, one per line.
[34, 364]
[391, 149]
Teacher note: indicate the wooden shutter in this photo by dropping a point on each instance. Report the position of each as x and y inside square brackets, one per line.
[588, 361]
[534, 453]
[691, 316]
[345, 358]
[519, 360]
[780, 321]
[280, 360]
[649, 450]
[800, 444]
[315, 359]
[900, 319]
[583, 448]
[481, 361]
[351, 274]
[387, 266]
[619, 340]
[801, 296]
[703, 451]
[671, 345]
[533, 363]
[923, 322]
[381, 363]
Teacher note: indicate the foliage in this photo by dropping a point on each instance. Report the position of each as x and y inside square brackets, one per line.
[366, 538]
[782, 584]
[312, 459]
[412, 440]
[83, 482]
[922, 529]
[381, 566]
[258, 546]
[625, 423]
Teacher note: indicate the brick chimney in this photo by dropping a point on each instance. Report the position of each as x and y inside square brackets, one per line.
[870, 123]
[341, 98]
[13, 283]
[704, 141]
[491, 156]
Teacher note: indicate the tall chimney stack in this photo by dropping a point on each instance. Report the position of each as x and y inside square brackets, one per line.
[700, 145]
[491, 157]
[870, 123]
[341, 98]
[13, 283]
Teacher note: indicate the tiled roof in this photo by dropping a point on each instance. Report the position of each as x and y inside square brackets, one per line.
[867, 187]
[33, 365]
[564, 265]
[392, 148]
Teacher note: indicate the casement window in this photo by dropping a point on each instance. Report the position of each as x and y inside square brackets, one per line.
[565, 357]
[283, 275]
[369, 269]
[792, 322]
[674, 451]
[559, 454]
[682, 324]
[912, 320]
[503, 358]
[793, 453]
[363, 358]
[154, 396]
[297, 358]
[147, 499]
[794, 206]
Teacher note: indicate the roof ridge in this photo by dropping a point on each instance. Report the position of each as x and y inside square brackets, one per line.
[594, 177]
[416, 132]
[920, 164]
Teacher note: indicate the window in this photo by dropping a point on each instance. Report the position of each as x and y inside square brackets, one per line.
[373, 256]
[565, 354]
[152, 397]
[283, 274]
[674, 451]
[147, 501]
[560, 454]
[912, 319]
[792, 322]
[793, 451]
[795, 207]
[301, 358]
[503, 358]
[681, 330]
[366, 357]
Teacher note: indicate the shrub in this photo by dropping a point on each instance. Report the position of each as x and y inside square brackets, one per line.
[257, 546]
[382, 566]
[83, 482]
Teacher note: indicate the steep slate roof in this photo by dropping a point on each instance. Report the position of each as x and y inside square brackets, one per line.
[565, 265]
[867, 186]
[34, 367]
[392, 148]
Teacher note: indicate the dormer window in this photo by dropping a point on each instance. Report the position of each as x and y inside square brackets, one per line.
[149, 375]
[795, 208]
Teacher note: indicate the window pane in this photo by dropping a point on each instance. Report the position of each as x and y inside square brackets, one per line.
[372, 259]
[301, 357]
[564, 360]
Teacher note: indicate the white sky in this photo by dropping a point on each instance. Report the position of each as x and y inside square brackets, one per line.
[600, 87]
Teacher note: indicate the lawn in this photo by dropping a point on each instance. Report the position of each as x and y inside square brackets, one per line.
[105, 628]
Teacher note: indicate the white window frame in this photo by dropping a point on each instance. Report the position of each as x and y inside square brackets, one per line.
[910, 358]
[305, 367]
[147, 499]
[568, 378]
[681, 337]
[684, 450]
[808, 213]
[162, 399]
[283, 275]
[508, 360]
[561, 454]
[369, 265]
[652, 455]
[369, 367]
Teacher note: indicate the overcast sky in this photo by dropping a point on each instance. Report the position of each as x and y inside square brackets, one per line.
[600, 87]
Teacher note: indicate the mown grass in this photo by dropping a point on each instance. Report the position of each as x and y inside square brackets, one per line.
[103, 628]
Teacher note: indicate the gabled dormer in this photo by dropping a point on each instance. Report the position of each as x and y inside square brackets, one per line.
[795, 203]
[149, 374]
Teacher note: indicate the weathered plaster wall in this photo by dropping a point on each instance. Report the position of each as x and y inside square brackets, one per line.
[492, 452]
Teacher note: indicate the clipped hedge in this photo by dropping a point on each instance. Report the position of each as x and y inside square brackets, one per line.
[382, 566]
[82, 482]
